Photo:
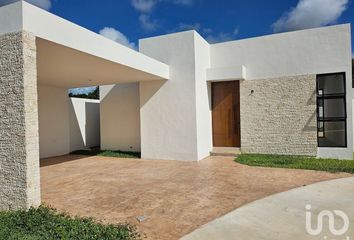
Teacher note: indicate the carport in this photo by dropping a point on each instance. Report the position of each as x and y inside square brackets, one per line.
[42, 56]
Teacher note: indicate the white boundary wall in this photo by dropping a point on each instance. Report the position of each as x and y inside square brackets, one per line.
[120, 117]
[66, 124]
[84, 123]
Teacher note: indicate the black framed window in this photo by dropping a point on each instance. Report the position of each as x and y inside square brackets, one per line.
[331, 110]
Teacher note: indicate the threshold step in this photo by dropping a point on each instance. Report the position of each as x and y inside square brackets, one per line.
[225, 151]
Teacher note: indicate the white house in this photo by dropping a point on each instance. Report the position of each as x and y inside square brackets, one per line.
[177, 98]
[256, 94]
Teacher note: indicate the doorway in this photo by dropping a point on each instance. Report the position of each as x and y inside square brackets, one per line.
[226, 114]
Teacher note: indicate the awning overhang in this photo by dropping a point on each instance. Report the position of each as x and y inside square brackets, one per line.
[71, 56]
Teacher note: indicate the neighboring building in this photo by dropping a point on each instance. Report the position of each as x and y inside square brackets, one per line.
[177, 98]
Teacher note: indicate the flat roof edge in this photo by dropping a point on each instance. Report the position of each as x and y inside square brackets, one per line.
[23, 16]
[344, 25]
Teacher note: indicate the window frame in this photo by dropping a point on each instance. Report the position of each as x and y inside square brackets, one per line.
[322, 97]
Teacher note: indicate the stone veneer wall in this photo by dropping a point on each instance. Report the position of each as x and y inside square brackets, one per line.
[19, 147]
[280, 116]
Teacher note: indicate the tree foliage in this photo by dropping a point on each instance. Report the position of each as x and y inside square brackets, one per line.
[91, 95]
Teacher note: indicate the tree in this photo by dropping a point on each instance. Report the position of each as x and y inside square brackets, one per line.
[95, 94]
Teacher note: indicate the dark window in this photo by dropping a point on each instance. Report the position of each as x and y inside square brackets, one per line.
[331, 110]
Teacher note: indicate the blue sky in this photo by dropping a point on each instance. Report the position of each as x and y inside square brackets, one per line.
[220, 20]
[126, 21]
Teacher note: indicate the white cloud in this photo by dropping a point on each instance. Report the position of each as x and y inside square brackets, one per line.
[144, 5]
[45, 4]
[210, 35]
[236, 31]
[195, 26]
[208, 30]
[220, 37]
[117, 36]
[310, 14]
[186, 27]
[183, 2]
[147, 24]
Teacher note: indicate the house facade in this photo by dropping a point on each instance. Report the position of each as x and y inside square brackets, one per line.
[287, 93]
[176, 98]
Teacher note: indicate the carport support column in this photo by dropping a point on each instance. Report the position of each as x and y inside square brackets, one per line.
[19, 147]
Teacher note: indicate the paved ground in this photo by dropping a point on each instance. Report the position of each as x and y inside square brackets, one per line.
[176, 197]
[283, 216]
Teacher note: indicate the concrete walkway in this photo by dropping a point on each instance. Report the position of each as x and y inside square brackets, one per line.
[283, 215]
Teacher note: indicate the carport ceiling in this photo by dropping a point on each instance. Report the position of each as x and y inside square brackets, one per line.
[61, 66]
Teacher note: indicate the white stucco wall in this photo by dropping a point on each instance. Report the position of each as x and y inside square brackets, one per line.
[84, 123]
[168, 108]
[314, 51]
[311, 51]
[120, 117]
[65, 124]
[54, 127]
[203, 97]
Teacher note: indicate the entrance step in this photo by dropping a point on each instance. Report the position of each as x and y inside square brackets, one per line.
[225, 151]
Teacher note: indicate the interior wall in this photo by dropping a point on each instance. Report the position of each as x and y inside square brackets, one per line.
[54, 127]
[120, 117]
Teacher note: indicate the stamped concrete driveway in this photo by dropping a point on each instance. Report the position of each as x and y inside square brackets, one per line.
[174, 197]
[283, 215]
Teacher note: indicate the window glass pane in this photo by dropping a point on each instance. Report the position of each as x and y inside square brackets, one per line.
[333, 108]
[320, 127]
[331, 84]
[320, 92]
[333, 136]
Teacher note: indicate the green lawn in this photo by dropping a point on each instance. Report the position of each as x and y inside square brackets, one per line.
[108, 153]
[45, 223]
[297, 162]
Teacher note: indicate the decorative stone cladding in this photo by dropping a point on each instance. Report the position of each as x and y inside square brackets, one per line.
[19, 147]
[278, 116]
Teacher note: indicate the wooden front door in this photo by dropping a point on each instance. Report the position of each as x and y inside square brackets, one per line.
[226, 114]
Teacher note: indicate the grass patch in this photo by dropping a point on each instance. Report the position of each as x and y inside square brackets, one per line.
[108, 153]
[45, 223]
[297, 162]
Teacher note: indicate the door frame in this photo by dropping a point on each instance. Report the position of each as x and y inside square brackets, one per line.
[238, 110]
